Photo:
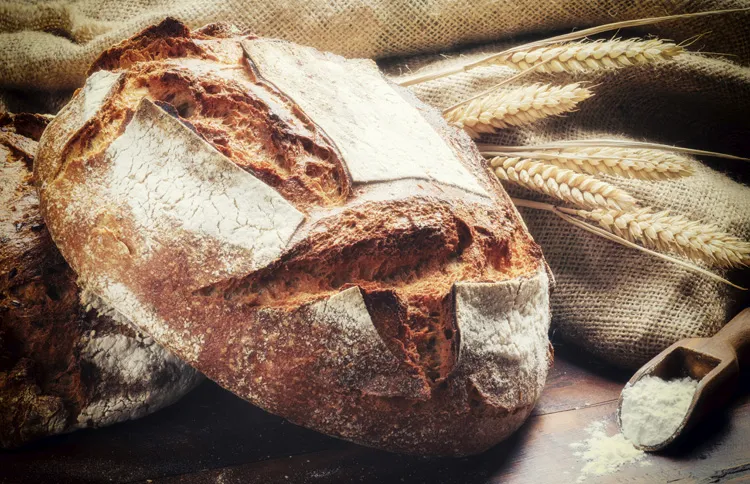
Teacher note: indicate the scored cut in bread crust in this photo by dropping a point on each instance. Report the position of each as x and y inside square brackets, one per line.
[62, 367]
[308, 235]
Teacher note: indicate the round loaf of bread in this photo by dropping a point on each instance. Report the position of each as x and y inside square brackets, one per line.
[62, 367]
[305, 233]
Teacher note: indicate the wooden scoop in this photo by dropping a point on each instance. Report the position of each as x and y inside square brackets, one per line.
[715, 362]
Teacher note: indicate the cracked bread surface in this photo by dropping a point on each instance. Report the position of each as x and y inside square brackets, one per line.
[305, 233]
[62, 367]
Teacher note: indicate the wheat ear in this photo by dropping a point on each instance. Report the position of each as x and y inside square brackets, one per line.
[663, 231]
[560, 212]
[631, 163]
[579, 189]
[558, 39]
[514, 107]
[586, 56]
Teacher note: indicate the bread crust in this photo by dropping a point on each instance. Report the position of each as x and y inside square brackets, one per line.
[62, 367]
[345, 261]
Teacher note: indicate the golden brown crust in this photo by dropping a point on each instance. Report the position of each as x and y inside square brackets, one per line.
[365, 315]
[170, 38]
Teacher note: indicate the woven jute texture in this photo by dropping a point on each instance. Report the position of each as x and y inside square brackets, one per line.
[49, 44]
[613, 301]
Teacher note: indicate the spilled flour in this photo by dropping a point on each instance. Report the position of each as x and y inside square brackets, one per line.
[603, 454]
[653, 409]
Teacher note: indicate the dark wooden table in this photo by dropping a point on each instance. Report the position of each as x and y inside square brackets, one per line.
[211, 436]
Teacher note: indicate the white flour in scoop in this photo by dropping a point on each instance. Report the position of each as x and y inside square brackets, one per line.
[653, 409]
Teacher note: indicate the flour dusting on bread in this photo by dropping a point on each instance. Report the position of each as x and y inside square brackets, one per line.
[339, 99]
[152, 374]
[174, 181]
[348, 312]
[501, 325]
[96, 90]
[115, 300]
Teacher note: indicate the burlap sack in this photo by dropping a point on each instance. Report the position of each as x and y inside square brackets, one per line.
[48, 45]
[613, 301]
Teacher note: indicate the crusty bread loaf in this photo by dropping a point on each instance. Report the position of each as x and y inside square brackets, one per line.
[61, 366]
[308, 235]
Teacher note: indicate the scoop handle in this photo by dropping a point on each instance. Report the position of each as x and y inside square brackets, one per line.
[736, 333]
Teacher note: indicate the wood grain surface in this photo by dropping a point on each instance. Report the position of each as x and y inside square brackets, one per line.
[211, 436]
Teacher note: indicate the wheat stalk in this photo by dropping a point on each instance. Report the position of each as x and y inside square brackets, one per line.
[666, 232]
[579, 189]
[514, 107]
[632, 163]
[610, 142]
[560, 212]
[591, 56]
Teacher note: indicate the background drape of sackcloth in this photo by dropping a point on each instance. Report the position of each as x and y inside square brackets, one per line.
[616, 302]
